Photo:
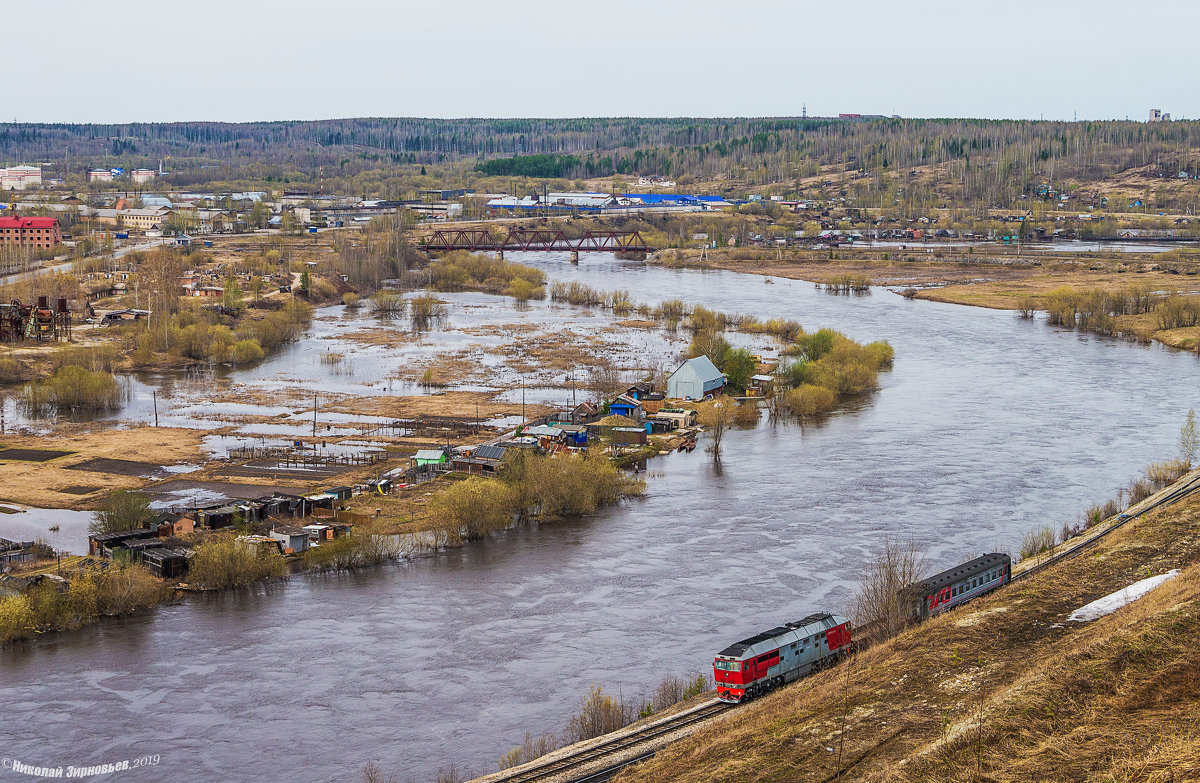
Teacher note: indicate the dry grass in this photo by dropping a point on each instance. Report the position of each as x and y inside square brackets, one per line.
[1111, 700]
[40, 483]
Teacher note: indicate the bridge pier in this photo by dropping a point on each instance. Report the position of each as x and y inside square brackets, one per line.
[500, 254]
[575, 257]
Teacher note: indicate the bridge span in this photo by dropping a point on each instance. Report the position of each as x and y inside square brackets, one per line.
[535, 239]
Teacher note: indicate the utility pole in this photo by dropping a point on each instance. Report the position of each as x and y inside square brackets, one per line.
[154, 393]
[314, 414]
[522, 402]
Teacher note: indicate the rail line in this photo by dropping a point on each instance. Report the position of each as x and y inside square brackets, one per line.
[1189, 484]
[574, 761]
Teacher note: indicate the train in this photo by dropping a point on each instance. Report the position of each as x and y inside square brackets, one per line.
[753, 666]
[957, 585]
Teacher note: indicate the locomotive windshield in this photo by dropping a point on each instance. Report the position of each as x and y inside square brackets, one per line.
[729, 666]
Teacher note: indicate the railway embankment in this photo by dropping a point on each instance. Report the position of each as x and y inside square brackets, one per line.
[1006, 688]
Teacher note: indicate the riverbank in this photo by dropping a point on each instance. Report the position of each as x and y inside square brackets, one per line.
[984, 278]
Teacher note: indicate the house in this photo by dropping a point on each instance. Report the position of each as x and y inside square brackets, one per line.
[482, 460]
[684, 418]
[583, 413]
[574, 434]
[175, 525]
[429, 457]
[103, 544]
[542, 431]
[695, 379]
[142, 219]
[652, 402]
[624, 405]
[292, 540]
[341, 493]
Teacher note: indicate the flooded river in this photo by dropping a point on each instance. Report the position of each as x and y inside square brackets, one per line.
[988, 426]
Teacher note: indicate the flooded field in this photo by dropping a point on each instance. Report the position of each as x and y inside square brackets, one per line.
[988, 425]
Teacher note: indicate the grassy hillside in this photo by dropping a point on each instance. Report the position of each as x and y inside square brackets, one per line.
[1003, 689]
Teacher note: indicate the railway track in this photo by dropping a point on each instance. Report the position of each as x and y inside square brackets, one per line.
[1184, 487]
[575, 762]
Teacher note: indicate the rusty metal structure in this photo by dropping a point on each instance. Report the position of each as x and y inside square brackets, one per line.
[535, 239]
[40, 322]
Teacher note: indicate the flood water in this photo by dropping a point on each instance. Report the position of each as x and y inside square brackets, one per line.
[987, 426]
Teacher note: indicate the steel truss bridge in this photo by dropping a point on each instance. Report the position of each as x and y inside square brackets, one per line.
[537, 239]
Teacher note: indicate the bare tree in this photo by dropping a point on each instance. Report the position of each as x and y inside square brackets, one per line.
[883, 601]
[1189, 439]
[717, 420]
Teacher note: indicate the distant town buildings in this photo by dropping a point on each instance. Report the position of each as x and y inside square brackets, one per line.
[1158, 115]
[35, 232]
[142, 176]
[21, 178]
[100, 175]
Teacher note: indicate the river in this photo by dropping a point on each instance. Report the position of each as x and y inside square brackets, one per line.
[988, 426]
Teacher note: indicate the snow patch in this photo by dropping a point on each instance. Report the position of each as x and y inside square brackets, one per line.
[1114, 601]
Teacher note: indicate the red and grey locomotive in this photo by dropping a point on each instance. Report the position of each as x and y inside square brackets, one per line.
[767, 660]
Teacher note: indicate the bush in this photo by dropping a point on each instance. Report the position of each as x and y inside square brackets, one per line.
[388, 303]
[350, 552]
[350, 299]
[246, 352]
[1038, 541]
[16, 618]
[74, 388]
[809, 400]
[473, 508]
[223, 562]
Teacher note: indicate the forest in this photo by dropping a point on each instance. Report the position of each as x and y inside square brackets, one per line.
[989, 162]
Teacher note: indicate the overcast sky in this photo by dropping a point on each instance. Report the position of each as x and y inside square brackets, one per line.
[135, 60]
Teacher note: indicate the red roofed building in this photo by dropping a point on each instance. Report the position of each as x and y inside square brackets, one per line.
[30, 231]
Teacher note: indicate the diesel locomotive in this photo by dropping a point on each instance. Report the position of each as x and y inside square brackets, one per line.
[767, 660]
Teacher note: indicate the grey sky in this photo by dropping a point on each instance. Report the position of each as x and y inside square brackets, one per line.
[135, 60]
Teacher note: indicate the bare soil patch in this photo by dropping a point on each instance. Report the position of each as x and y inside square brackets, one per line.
[33, 455]
[121, 467]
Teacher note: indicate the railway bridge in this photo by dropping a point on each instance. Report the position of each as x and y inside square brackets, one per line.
[536, 239]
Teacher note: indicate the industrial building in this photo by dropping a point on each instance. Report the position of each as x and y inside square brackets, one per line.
[21, 178]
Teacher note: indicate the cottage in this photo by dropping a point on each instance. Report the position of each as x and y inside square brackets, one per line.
[695, 379]
[624, 405]
[175, 525]
[429, 457]
[652, 402]
[483, 460]
[583, 413]
[292, 540]
[574, 434]
[103, 544]
[341, 493]
[684, 418]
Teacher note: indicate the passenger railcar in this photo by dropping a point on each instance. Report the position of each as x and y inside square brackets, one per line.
[960, 584]
[754, 666]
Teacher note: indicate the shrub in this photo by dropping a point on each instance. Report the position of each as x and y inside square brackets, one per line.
[387, 303]
[74, 388]
[473, 508]
[223, 562]
[246, 352]
[16, 618]
[1038, 541]
[350, 299]
[810, 400]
